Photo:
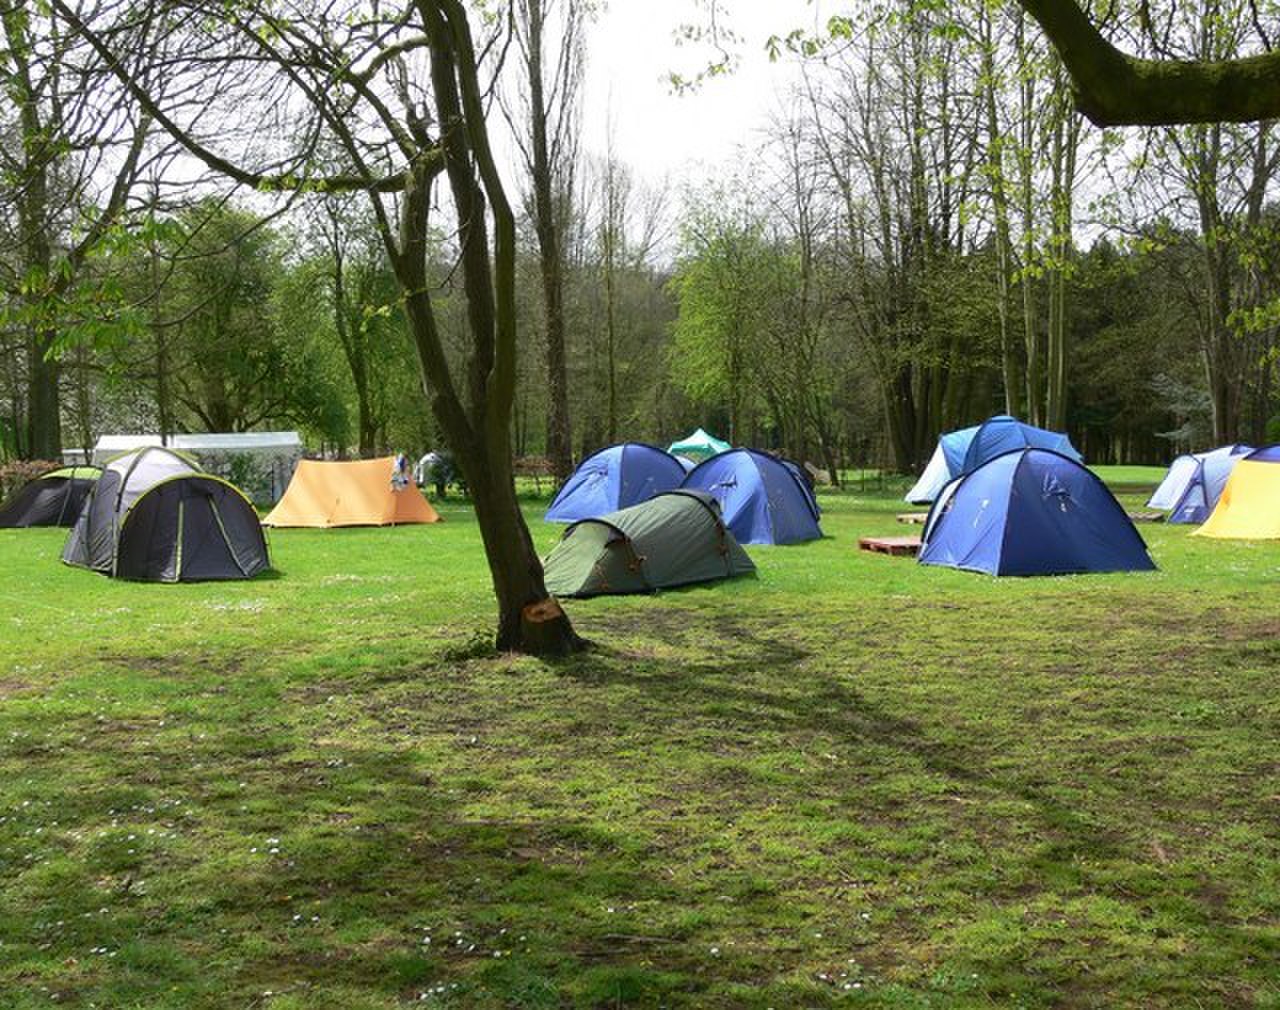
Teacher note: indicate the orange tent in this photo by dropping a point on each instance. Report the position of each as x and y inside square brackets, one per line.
[357, 493]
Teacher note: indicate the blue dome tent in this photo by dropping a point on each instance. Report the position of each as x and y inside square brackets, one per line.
[615, 478]
[966, 449]
[763, 500]
[1031, 512]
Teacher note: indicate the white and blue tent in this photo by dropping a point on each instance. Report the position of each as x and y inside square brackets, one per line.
[615, 478]
[1194, 483]
[962, 451]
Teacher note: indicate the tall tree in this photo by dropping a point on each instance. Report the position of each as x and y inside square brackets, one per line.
[363, 298]
[899, 146]
[549, 35]
[66, 115]
[723, 285]
[355, 73]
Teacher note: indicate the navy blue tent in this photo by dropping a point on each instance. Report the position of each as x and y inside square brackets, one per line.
[806, 482]
[762, 498]
[1032, 512]
[615, 478]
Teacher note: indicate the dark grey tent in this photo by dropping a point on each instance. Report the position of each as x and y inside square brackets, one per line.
[673, 539]
[156, 516]
[52, 499]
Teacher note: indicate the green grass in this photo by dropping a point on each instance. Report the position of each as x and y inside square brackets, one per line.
[850, 782]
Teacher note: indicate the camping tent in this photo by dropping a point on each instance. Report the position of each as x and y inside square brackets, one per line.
[349, 493]
[806, 482]
[1176, 478]
[673, 539]
[762, 499]
[1249, 508]
[1194, 483]
[615, 478]
[52, 499]
[156, 516]
[698, 446]
[959, 452]
[1031, 512]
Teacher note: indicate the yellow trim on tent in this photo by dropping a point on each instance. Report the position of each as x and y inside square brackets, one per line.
[203, 475]
[1249, 508]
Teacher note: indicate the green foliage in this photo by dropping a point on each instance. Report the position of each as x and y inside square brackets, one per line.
[727, 286]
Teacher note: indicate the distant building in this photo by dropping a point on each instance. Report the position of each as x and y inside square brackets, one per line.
[260, 463]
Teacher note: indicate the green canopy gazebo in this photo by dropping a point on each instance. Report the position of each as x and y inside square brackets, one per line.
[698, 446]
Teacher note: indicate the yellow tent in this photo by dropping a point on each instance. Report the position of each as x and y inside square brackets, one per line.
[1249, 508]
[358, 493]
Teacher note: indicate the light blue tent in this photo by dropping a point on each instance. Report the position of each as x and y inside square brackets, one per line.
[615, 478]
[966, 449]
[762, 498]
[1194, 483]
[1031, 512]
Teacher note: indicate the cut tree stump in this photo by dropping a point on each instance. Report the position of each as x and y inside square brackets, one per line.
[897, 546]
[912, 517]
[545, 629]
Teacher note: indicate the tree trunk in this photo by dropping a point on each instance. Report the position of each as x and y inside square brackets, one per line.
[609, 238]
[551, 259]
[1065, 142]
[1010, 367]
[479, 428]
[44, 420]
[1218, 343]
[1029, 116]
[526, 621]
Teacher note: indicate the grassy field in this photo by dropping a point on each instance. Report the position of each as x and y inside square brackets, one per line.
[850, 782]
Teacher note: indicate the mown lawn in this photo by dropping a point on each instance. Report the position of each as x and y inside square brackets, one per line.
[850, 782]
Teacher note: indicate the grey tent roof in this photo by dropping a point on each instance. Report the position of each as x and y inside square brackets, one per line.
[155, 515]
[673, 539]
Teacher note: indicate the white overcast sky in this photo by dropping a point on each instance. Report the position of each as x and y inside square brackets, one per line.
[631, 49]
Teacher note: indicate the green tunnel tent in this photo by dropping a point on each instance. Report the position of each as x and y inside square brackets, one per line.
[52, 499]
[674, 539]
[155, 516]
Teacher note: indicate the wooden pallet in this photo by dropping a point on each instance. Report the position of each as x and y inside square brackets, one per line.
[912, 517]
[896, 546]
[1147, 517]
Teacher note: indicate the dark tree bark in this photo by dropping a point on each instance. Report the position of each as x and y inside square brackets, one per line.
[44, 424]
[525, 620]
[548, 161]
[1115, 89]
